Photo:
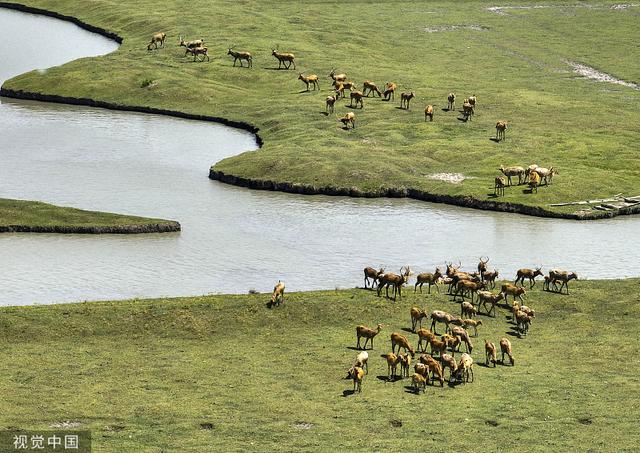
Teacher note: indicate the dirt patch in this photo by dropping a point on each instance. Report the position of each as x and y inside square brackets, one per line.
[623, 6]
[453, 178]
[65, 424]
[395, 423]
[206, 426]
[443, 28]
[599, 76]
[501, 9]
[303, 425]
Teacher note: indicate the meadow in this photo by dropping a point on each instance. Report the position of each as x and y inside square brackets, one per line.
[226, 373]
[516, 61]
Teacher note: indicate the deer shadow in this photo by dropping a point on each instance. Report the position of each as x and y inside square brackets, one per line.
[493, 139]
[276, 69]
[401, 108]
[327, 114]
[464, 119]
[492, 195]
[529, 191]
[411, 389]
[385, 378]
[346, 393]
[513, 333]
[355, 348]
[407, 329]
[446, 109]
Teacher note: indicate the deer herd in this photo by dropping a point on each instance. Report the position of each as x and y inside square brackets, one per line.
[533, 176]
[437, 351]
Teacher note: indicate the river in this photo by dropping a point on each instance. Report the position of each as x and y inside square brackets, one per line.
[232, 239]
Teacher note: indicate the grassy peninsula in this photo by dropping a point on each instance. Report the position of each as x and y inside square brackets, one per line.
[516, 60]
[225, 373]
[37, 217]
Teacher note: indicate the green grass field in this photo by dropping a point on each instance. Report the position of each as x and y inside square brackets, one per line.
[144, 375]
[34, 215]
[515, 62]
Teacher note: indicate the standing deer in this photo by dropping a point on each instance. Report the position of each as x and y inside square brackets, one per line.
[284, 59]
[428, 112]
[241, 56]
[528, 273]
[405, 98]
[499, 183]
[451, 99]
[310, 79]
[501, 128]
[371, 273]
[395, 280]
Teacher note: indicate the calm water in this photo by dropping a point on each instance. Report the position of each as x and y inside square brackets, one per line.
[233, 239]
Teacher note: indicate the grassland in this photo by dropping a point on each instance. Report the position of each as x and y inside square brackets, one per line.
[515, 61]
[34, 216]
[147, 375]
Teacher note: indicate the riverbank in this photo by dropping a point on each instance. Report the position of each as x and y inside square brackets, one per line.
[24, 216]
[390, 148]
[274, 378]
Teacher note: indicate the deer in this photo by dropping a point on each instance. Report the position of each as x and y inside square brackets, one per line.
[428, 112]
[389, 91]
[440, 316]
[369, 87]
[329, 102]
[399, 340]
[509, 289]
[562, 276]
[467, 110]
[534, 181]
[482, 267]
[396, 280]
[499, 183]
[465, 368]
[195, 51]
[310, 79]
[417, 314]
[349, 118]
[490, 353]
[451, 100]
[357, 95]
[367, 333]
[490, 278]
[472, 100]
[505, 348]
[191, 44]
[239, 56]
[432, 366]
[405, 98]
[284, 59]
[531, 274]
[429, 278]
[493, 299]
[278, 294]
[546, 174]
[501, 129]
[155, 39]
[424, 335]
[337, 77]
[371, 273]
[509, 172]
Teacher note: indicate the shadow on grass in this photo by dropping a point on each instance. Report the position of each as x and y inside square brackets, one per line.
[385, 378]
[346, 393]
[411, 389]
[407, 329]
[277, 69]
[493, 139]
[354, 348]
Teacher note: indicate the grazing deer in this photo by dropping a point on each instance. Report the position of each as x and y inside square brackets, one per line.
[357, 95]
[241, 56]
[310, 79]
[337, 77]
[501, 128]
[395, 280]
[405, 98]
[451, 99]
[499, 183]
[390, 91]
[195, 51]
[399, 340]
[428, 112]
[417, 314]
[371, 273]
[349, 118]
[528, 273]
[467, 110]
[284, 59]
[278, 294]
[371, 87]
[155, 39]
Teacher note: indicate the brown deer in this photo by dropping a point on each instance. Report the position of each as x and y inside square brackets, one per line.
[310, 79]
[278, 294]
[349, 118]
[330, 102]
[284, 59]
[371, 273]
[389, 91]
[239, 56]
[451, 99]
[370, 87]
[531, 274]
[357, 95]
[561, 276]
[428, 112]
[195, 51]
[395, 280]
[417, 314]
[155, 39]
[429, 278]
[368, 334]
[501, 128]
[337, 77]
[397, 339]
[405, 98]
[482, 267]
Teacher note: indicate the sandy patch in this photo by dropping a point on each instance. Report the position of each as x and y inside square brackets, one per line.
[502, 9]
[303, 425]
[453, 178]
[65, 425]
[443, 28]
[591, 73]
